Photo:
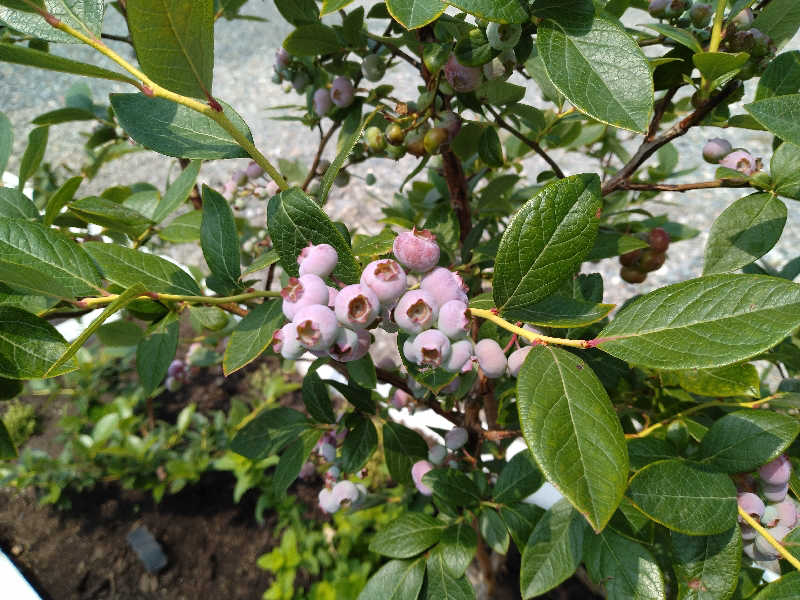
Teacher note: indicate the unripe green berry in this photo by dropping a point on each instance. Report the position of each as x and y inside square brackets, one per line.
[502, 36]
[632, 275]
[373, 68]
[375, 139]
[700, 14]
[395, 152]
[434, 56]
[395, 134]
[434, 139]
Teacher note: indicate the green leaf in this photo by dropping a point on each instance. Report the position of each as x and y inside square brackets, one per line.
[294, 221]
[722, 319]
[546, 241]
[183, 229]
[6, 139]
[784, 588]
[452, 487]
[520, 519]
[119, 334]
[493, 530]
[508, 11]
[780, 115]
[29, 346]
[572, 431]
[118, 304]
[61, 198]
[623, 567]
[252, 336]
[33, 257]
[374, 245]
[111, 215]
[7, 449]
[220, 241]
[722, 382]
[353, 128]
[682, 36]
[178, 191]
[298, 12]
[270, 257]
[156, 351]
[316, 398]
[599, 68]
[407, 536]
[329, 6]
[518, 479]
[646, 450]
[127, 267]
[684, 496]
[781, 77]
[499, 92]
[16, 205]
[608, 245]
[311, 40]
[292, 461]
[20, 55]
[176, 130]
[64, 115]
[746, 439]
[458, 545]
[396, 580]
[84, 15]
[719, 67]
[441, 584]
[707, 567]
[785, 171]
[560, 311]
[489, 148]
[413, 14]
[359, 445]
[474, 49]
[34, 153]
[174, 42]
[402, 447]
[553, 551]
[268, 432]
[744, 232]
[779, 20]
[362, 372]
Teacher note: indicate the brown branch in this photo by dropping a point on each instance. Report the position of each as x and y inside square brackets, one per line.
[235, 309]
[661, 108]
[649, 147]
[315, 163]
[683, 187]
[534, 145]
[457, 187]
[399, 382]
[117, 38]
[495, 435]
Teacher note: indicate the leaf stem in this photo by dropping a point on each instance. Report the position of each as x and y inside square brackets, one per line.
[528, 335]
[716, 38]
[150, 88]
[103, 300]
[771, 540]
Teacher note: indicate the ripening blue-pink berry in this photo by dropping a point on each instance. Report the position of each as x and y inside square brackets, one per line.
[444, 285]
[776, 472]
[453, 320]
[658, 8]
[303, 291]
[317, 326]
[461, 78]
[739, 160]
[491, 358]
[342, 92]
[386, 278]
[321, 101]
[350, 345]
[177, 368]
[400, 398]
[286, 344]
[751, 504]
[764, 548]
[307, 471]
[327, 501]
[356, 306]
[416, 250]
[437, 453]
[327, 451]
[456, 438]
[786, 513]
[254, 170]
[775, 493]
[516, 359]
[415, 312]
[432, 347]
[346, 492]
[716, 149]
[418, 470]
[282, 58]
[460, 356]
[410, 351]
[318, 259]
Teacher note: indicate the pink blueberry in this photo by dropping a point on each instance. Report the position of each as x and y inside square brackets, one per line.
[776, 472]
[716, 149]
[327, 501]
[765, 548]
[444, 285]
[418, 470]
[386, 278]
[332, 294]
[460, 356]
[491, 358]
[356, 306]
[516, 359]
[416, 250]
[303, 291]
[739, 160]
[346, 492]
[775, 493]
[432, 347]
[177, 368]
[350, 345]
[461, 78]
[286, 344]
[322, 101]
[416, 311]
[282, 57]
[410, 351]
[317, 326]
[453, 320]
[751, 504]
[254, 170]
[319, 259]
[787, 513]
[400, 399]
[342, 92]
[456, 438]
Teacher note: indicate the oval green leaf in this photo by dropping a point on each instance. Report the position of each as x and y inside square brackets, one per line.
[623, 567]
[409, 535]
[413, 14]
[396, 580]
[29, 346]
[252, 336]
[707, 567]
[84, 15]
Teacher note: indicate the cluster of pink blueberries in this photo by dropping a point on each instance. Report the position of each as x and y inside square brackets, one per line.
[779, 514]
[719, 151]
[327, 321]
[248, 182]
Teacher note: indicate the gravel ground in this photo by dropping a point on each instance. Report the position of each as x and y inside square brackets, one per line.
[244, 56]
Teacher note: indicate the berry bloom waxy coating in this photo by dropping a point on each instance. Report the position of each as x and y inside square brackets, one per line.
[317, 326]
[416, 250]
[462, 79]
[356, 306]
[716, 149]
[460, 357]
[453, 320]
[444, 285]
[776, 472]
[491, 358]
[415, 312]
[319, 260]
[432, 348]
[417, 472]
[322, 102]
[437, 454]
[516, 360]
[739, 160]
[342, 92]
[386, 278]
[303, 291]
[327, 501]
[350, 345]
[286, 343]
[455, 438]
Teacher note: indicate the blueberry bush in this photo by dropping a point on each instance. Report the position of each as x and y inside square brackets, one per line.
[669, 424]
